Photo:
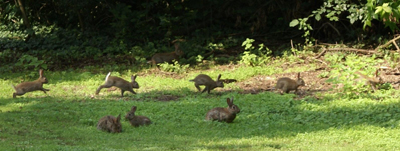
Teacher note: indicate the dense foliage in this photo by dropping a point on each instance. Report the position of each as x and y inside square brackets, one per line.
[64, 34]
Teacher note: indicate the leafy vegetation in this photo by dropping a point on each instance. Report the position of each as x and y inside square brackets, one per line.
[344, 72]
[64, 34]
[176, 67]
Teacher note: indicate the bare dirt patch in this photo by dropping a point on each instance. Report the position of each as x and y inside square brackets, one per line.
[261, 83]
[164, 74]
[314, 82]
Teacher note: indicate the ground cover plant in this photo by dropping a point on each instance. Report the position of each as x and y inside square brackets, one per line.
[315, 119]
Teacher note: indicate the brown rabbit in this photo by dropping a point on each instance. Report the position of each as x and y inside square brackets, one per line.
[167, 57]
[374, 81]
[287, 84]
[210, 84]
[24, 87]
[224, 114]
[120, 83]
[110, 123]
[136, 120]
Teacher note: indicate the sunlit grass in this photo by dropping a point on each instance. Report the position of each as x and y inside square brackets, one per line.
[15, 106]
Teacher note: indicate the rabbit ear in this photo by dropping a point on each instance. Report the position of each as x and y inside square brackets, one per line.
[133, 108]
[298, 75]
[41, 72]
[376, 72]
[229, 101]
[118, 118]
[133, 78]
[219, 76]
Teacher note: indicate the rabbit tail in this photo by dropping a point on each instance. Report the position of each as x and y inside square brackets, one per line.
[14, 87]
[109, 73]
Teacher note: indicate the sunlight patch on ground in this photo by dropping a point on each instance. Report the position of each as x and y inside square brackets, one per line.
[15, 106]
[243, 143]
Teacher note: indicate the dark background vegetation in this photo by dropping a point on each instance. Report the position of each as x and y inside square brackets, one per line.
[67, 34]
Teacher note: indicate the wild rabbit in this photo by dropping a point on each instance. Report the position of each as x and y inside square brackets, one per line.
[136, 120]
[210, 84]
[374, 81]
[24, 87]
[120, 83]
[110, 123]
[167, 57]
[224, 114]
[287, 84]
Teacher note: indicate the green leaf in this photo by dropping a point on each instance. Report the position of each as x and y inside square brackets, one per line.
[294, 22]
[317, 17]
[387, 9]
[378, 9]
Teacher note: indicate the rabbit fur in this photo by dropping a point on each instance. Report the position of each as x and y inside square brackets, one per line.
[372, 81]
[136, 120]
[166, 57]
[110, 124]
[224, 114]
[120, 83]
[210, 84]
[286, 84]
[25, 87]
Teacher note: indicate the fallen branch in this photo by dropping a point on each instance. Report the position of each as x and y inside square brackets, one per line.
[362, 51]
[387, 43]
[320, 54]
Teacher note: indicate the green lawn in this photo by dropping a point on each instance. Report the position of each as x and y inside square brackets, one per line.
[66, 118]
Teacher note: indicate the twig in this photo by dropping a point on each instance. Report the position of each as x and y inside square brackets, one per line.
[337, 31]
[320, 54]
[387, 43]
[321, 61]
[291, 43]
[362, 51]
[395, 44]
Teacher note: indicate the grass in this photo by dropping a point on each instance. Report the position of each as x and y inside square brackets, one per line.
[66, 118]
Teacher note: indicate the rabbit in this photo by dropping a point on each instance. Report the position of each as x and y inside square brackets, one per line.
[166, 57]
[25, 87]
[120, 83]
[286, 84]
[210, 84]
[374, 81]
[136, 120]
[224, 114]
[110, 123]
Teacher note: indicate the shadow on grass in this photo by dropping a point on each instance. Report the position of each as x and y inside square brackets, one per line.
[262, 115]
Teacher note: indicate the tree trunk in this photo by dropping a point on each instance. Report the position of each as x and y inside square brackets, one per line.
[27, 24]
